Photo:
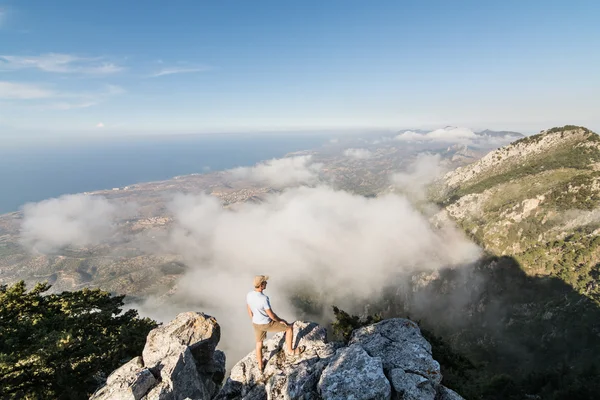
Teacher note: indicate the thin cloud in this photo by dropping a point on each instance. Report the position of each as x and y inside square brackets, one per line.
[448, 134]
[360, 154]
[172, 71]
[100, 125]
[281, 172]
[23, 91]
[71, 100]
[2, 17]
[59, 63]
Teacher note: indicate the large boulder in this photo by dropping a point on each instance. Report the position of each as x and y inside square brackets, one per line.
[198, 332]
[399, 344]
[131, 381]
[179, 361]
[352, 373]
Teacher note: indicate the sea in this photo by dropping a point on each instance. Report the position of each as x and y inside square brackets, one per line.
[34, 172]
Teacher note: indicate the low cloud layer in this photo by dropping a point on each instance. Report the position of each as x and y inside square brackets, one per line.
[281, 172]
[72, 220]
[336, 247]
[360, 154]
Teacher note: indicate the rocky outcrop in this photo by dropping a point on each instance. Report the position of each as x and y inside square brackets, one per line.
[387, 360]
[179, 361]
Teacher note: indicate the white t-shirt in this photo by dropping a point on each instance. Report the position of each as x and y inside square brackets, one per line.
[258, 303]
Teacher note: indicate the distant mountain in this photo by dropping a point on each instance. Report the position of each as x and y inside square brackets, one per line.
[491, 133]
[529, 311]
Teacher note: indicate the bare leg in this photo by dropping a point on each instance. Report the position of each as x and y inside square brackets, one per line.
[289, 335]
[259, 346]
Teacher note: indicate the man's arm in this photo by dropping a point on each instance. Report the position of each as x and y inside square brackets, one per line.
[249, 311]
[274, 316]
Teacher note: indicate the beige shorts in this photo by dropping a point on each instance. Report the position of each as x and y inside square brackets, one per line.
[260, 330]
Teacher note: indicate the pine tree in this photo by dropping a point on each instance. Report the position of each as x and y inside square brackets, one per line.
[62, 345]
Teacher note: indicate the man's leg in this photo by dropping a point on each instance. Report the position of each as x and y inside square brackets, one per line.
[259, 359]
[289, 335]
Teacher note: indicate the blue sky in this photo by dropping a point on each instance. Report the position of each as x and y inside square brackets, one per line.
[118, 67]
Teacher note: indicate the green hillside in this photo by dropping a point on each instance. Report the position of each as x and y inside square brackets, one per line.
[537, 200]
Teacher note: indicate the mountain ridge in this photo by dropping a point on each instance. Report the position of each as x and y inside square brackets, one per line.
[534, 199]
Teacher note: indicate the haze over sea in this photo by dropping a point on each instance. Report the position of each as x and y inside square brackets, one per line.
[37, 172]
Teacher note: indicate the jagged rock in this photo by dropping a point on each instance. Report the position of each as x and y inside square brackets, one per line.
[399, 344]
[386, 360]
[198, 331]
[180, 378]
[352, 373]
[283, 377]
[129, 382]
[179, 362]
[411, 386]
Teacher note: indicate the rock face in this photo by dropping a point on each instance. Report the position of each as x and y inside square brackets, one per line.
[179, 361]
[387, 360]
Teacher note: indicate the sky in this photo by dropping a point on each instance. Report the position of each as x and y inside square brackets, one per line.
[113, 68]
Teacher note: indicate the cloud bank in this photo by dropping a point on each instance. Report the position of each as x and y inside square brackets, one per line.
[281, 172]
[360, 154]
[333, 246]
[72, 220]
[448, 134]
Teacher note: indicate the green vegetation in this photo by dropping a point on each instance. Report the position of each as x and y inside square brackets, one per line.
[61, 346]
[536, 138]
[345, 323]
[567, 157]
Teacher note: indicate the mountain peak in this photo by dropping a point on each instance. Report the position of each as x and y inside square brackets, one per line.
[563, 147]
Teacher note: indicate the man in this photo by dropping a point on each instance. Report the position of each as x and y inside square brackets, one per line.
[265, 320]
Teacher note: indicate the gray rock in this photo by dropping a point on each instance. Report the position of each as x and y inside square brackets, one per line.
[443, 393]
[283, 377]
[180, 378]
[399, 344]
[131, 381]
[353, 374]
[179, 362]
[409, 386]
[200, 332]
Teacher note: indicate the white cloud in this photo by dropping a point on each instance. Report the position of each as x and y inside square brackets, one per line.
[69, 105]
[71, 220]
[59, 63]
[449, 134]
[100, 125]
[23, 91]
[333, 246]
[358, 153]
[179, 70]
[281, 172]
[425, 169]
